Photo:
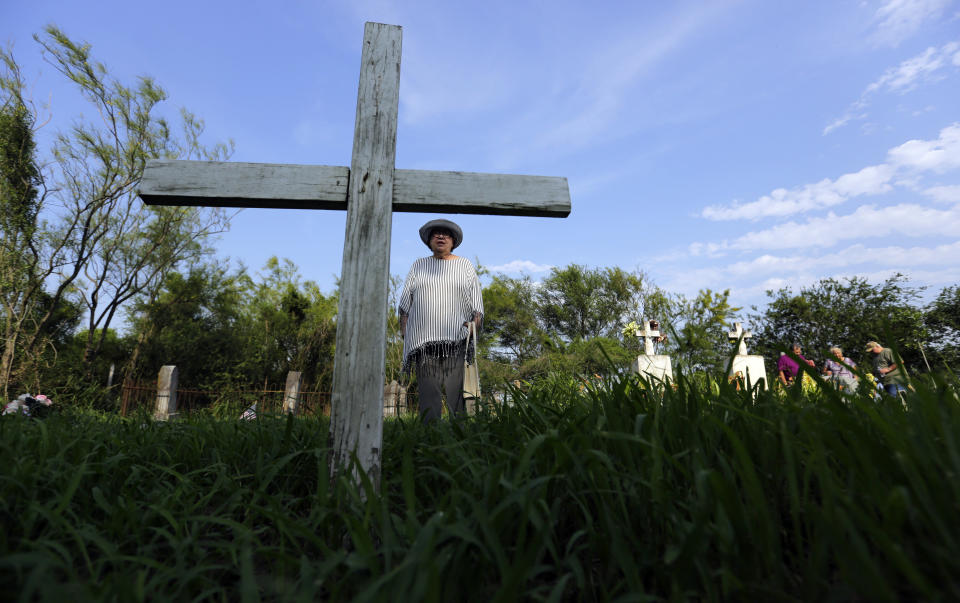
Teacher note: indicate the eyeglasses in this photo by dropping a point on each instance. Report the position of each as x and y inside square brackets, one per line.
[442, 234]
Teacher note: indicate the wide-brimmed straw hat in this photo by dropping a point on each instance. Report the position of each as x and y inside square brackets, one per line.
[870, 345]
[427, 230]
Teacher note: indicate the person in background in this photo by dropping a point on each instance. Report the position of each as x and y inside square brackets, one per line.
[892, 375]
[788, 368]
[440, 297]
[840, 371]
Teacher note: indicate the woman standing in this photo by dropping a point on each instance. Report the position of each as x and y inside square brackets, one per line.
[440, 297]
[787, 368]
[839, 371]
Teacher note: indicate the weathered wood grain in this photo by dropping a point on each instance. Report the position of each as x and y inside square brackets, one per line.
[475, 193]
[236, 184]
[356, 420]
[284, 186]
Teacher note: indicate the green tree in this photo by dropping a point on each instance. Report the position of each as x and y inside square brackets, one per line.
[942, 319]
[845, 313]
[569, 323]
[101, 245]
[702, 342]
[20, 201]
[394, 352]
[224, 328]
[194, 321]
[580, 303]
[512, 328]
[291, 326]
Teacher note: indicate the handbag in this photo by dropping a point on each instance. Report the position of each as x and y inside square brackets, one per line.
[471, 372]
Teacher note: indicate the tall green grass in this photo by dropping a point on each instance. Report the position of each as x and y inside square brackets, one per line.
[611, 491]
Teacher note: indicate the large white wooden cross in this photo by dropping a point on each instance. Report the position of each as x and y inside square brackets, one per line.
[370, 189]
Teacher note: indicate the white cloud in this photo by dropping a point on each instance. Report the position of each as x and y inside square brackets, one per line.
[908, 74]
[900, 19]
[713, 250]
[904, 220]
[853, 255]
[923, 68]
[906, 161]
[600, 91]
[940, 155]
[837, 123]
[944, 194]
[519, 266]
[872, 180]
[749, 279]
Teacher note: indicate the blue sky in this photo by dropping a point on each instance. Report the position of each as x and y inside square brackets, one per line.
[746, 145]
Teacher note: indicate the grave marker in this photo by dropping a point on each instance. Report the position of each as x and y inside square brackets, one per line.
[167, 379]
[738, 334]
[370, 189]
[654, 366]
[749, 367]
[291, 392]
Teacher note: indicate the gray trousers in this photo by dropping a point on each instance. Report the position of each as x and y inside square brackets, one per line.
[436, 376]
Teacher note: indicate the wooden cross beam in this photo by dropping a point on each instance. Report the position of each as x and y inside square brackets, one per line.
[738, 334]
[370, 190]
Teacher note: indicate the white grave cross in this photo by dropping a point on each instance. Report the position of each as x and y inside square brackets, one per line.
[738, 334]
[649, 336]
[370, 190]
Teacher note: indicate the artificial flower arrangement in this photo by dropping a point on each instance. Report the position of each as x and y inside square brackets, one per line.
[31, 406]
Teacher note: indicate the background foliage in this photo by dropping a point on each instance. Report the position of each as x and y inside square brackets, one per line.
[92, 280]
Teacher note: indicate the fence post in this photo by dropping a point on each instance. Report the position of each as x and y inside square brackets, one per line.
[125, 396]
[166, 393]
[291, 396]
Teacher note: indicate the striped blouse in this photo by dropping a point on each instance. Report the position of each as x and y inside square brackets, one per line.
[438, 297]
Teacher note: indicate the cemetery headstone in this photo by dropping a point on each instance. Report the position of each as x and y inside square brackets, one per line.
[394, 399]
[167, 381]
[656, 367]
[291, 392]
[370, 190]
[748, 367]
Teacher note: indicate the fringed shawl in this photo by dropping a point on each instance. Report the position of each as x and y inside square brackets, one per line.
[438, 297]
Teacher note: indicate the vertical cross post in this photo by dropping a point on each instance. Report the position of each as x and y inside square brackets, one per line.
[356, 420]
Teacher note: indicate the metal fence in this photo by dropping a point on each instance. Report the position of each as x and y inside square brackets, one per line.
[268, 401]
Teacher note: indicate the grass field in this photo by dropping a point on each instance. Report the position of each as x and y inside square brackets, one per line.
[604, 492]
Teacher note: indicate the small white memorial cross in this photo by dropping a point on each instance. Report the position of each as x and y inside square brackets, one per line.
[649, 337]
[746, 367]
[369, 190]
[741, 336]
[651, 364]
